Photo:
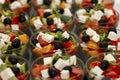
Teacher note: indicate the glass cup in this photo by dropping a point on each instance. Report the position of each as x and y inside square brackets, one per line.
[97, 61]
[17, 66]
[38, 65]
[40, 47]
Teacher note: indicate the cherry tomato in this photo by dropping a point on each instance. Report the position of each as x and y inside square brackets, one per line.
[116, 69]
[12, 36]
[111, 74]
[42, 42]
[40, 12]
[95, 63]
[68, 44]
[117, 60]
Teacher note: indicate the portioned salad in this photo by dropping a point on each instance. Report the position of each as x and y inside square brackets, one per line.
[97, 17]
[104, 67]
[57, 67]
[92, 3]
[13, 42]
[49, 19]
[13, 68]
[47, 42]
[96, 42]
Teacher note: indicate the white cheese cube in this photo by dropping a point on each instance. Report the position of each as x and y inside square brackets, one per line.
[112, 47]
[18, 65]
[65, 74]
[5, 37]
[68, 5]
[15, 5]
[57, 2]
[78, 1]
[15, 27]
[48, 10]
[82, 18]
[97, 70]
[6, 74]
[108, 12]
[118, 46]
[39, 2]
[73, 60]
[3, 17]
[24, 1]
[83, 44]
[80, 12]
[2, 43]
[59, 52]
[92, 11]
[38, 45]
[109, 57]
[48, 38]
[117, 79]
[97, 15]
[90, 32]
[40, 34]
[96, 38]
[47, 60]
[37, 23]
[60, 64]
[66, 35]
[57, 20]
[2, 1]
[67, 62]
[69, 1]
[1, 61]
[99, 1]
[44, 73]
[60, 25]
[112, 36]
[67, 12]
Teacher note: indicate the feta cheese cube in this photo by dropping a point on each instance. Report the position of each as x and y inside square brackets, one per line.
[108, 12]
[97, 70]
[78, 1]
[2, 1]
[40, 34]
[99, 1]
[15, 5]
[1, 61]
[57, 2]
[5, 37]
[39, 2]
[69, 1]
[96, 38]
[112, 36]
[47, 60]
[3, 17]
[44, 73]
[118, 46]
[6, 74]
[66, 35]
[90, 32]
[38, 45]
[18, 65]
[73, 60]
[68, 5]
[48, 10]
[82, 18]
[48, 38]
[67, 12]
[24, 1]
[59, 52]
[2, 43]
[57, 20]
[109, 57]
[112, 47]
[80, 12]
[65, 74]
[60, 25]
[83, 44]
[60, 64]
[97, 15]
[37, 23]
[15, 27]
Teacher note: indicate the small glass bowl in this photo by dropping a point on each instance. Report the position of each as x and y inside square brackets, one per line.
[39, 62]
[22, 64]
[98, 58]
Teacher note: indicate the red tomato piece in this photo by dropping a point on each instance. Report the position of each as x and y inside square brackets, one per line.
[12, 36]
[95, 63]
[117, 60]
[42, 42]
[40, 12]
[86, 3]
[111, 74]
[15, 20]
[21, 76]
[68, 44]
[116, 69]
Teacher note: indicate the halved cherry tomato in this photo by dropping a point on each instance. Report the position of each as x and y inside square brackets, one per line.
[117, 60]
[15, 20]
[95, 63]
[116, 69]
[12, 36]
[86, 3]
[68, 44]
[40, 12]
[111, 74]
[42, 42]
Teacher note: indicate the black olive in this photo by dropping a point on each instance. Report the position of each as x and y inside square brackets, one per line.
[47, 2]
[104, 64]
[102, 22]
[15, 70]
[50, 21]
[12, 1]
[16, 43]
[56, 30]
[102, 10]
[13, 60]
[85, 38]
[46, 14]
[22, 18]
[68, 68]
[103, 45]
[34, 41]
[61, 10]
[112, 29]
[58, 45]
[52, 72]
[106, 78]
[7, 21]
[94, 1]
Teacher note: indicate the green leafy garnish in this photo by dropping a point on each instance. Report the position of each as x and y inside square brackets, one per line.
[98, 7]
[66, 19]
[56, 12]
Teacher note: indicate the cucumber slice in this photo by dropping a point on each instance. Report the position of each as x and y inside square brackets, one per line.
[23, 68]
[13, 78]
